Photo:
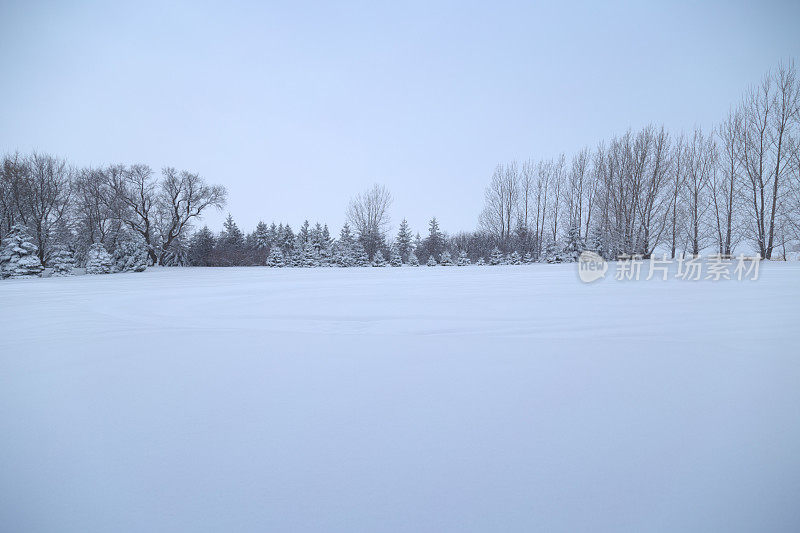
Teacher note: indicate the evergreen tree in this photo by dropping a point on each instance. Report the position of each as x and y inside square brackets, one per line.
[297, 251]
[260, 242]
[599, 242]
[201, 247]
[177, 253]
[404, 240]
[18, 257]
[360, 257]
[62, 261]
[412, 259]
[480, 261]
[514, 258]
[326, 239]
[130, 253]
[379, 260]
[344, 253]
[261, 236]
[304, 234]
[528, 259]
[463, 259]
[231, 232]
[275, 258]
[98, 261]
[417, 247]
[308, 255]
[395, 259]
[552, 252]
[230, 245]
[445, 259]
[497, 257]
[431, 261]
[434, 244]
[325, 256]
[273, 234]
[287, 243]
[573, 246]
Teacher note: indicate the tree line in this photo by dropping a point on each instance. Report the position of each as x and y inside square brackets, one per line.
[63, 206]
[737, 184]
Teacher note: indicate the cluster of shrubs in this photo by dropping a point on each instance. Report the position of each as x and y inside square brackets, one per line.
[19, 257]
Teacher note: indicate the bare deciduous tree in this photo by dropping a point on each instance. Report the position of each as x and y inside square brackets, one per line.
[368, 212]
[500, 202]
[183, 197]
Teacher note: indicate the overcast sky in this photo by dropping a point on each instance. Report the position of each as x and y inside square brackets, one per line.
[296, 106]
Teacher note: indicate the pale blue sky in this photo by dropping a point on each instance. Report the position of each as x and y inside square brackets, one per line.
[295, 106]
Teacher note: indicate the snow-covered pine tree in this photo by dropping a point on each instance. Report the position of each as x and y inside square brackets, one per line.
[296, 257]
[463, 259]
[417, 246]
[528, 259]
[379, 260]
[98, 261]
[445, 259]
[326, 237]
[62, 261]
[130, 253]
[413, 260]
[230, 245]
[18, 257]
[275, 258]
[431, 261]
[305, 232]
[480, 261]
[272, 236]
[201, 247]
[395, 258]
[261, 235]
[497, 257]
[286, 243]
[360, 257]
[514, 258]
[325, 247]
[598, 242]
[553, 252]
[308, 257]
[435, 242]
[343, 254]
[325, 257]
[403, 240]
[177, 254]
[574, 245]
[261, 242]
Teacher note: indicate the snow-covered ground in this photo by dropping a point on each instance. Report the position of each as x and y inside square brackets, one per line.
[418, 399]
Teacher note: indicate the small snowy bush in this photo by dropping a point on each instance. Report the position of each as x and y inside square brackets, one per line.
[275, 259]
[395, 259]
[98, 261]
[130, 254]
[379, 260]
[18, 257]
[62, 261]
